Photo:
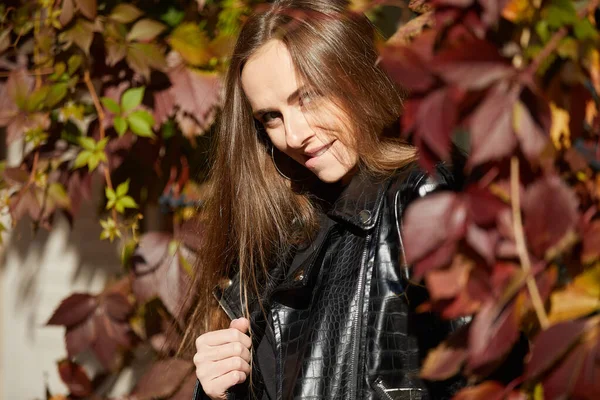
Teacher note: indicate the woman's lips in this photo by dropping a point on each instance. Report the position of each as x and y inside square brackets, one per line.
[312, 156]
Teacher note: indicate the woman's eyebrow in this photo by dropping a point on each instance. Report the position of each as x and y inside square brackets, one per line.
[290, 99]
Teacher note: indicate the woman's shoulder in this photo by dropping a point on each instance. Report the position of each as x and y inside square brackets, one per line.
[413, 181]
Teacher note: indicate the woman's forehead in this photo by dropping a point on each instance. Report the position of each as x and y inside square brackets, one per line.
[269, 76]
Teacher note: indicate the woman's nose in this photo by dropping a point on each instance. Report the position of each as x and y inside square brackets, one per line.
[297, 130]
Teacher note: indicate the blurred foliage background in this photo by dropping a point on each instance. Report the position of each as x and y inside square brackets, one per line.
[127, 93]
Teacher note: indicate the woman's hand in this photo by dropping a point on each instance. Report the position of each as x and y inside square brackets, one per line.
[222, 358]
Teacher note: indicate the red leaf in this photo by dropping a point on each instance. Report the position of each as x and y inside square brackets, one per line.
[73, 310]
[117, 306]
[483, 242]
[446, 359]
[551, 345]
[560, 383]
[548, 222]
[472, 65]
[448, 282]
[186, 390]
[488, 390]
[437, 132]
[492, 9]
[151, 251]
[531, 136]
[76, 379]
[162, 379]
[591, 242]
[195, 92]
[80, 337]
[405, 66]
[88, 8]
[492, 135]
[66, 12]
[483, 206]
[493, 333]
[432, 227]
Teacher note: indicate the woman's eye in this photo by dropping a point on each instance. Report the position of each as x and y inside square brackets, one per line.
[269, 117]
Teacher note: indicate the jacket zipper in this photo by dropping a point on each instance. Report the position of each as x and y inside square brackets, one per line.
[358, 323]
[380, 389]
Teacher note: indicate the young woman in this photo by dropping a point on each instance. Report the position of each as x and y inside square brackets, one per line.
[302, 249]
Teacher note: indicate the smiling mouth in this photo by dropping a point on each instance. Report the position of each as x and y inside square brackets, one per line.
[319, 151]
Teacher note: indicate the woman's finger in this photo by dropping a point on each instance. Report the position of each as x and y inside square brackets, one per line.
[216, 388]
[216, 353]
[222, 336]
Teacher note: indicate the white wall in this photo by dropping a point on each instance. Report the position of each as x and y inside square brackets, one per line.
[36, 273]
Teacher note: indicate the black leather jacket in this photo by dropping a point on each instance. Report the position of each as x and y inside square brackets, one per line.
[344, 320]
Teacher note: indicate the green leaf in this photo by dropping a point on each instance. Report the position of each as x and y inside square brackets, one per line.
[132, 98]
[74, 63]
[585, 30]
[123, 188]
[558, 16]
[191, 43]
[127, 202]
[568, 48]
[101, 144]
[173, 16]
[82, 159]
[120, 125]
[59, 69]
[143, 56]
[59, 194]
[541, 28]
[37, 98]
[145, 30]
[110, 105]
[140, 124]
[110, 194]
[82, 34]
[57, 92]
[87, 143]
[5, 39]
[93, 161]
[125, 13]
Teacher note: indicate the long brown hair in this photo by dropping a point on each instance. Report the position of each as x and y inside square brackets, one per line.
[253, 215]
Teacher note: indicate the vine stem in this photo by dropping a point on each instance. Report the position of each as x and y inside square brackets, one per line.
[536, 298]
[100, 112]
[555, 40]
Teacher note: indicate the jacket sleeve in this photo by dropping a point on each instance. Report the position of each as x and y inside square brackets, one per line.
[428, 327]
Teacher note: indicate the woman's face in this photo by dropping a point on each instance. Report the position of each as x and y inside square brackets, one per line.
[306, 128]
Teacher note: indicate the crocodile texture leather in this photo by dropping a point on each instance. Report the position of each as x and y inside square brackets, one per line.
[343, 321]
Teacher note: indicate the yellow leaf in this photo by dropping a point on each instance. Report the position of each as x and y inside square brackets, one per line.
[591, 112]
[589, 281]
[579, 298]
[518, 10]
[570, 304]
[560, 131]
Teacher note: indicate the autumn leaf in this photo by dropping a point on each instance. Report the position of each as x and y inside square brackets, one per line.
[194, 92]
[578, 299]
[75, 377]
[125, 13]
[549, 223]
[560, 131]
[159, 268]
[162, 379]
[493, 333]
[492, 135]
[191, 43]
[433, 225]
[473, 65]
[447, 358]
[98, 323]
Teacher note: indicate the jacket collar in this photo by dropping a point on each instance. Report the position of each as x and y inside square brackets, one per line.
[359, 203]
